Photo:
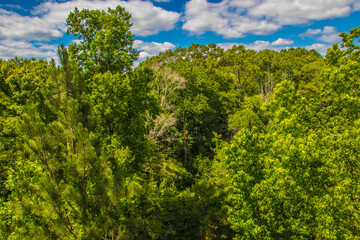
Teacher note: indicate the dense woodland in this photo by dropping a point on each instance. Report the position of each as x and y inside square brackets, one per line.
[195, 143]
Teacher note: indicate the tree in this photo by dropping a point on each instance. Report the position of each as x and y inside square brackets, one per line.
[105, 40]
[298, 178]
[77, 138]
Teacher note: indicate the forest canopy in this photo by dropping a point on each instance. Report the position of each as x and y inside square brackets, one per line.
[194, 143]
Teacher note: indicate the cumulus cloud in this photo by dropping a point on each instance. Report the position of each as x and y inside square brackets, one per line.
[149, 49]
[310, 32]
[227, 45]
[227, 18]
[282, 42]
[16, 27]
[328, 34]
[262, 45]
[286, 12]
[147, 19]
[259, 45]
[357, 6]
[319, 47]
[47, 22]
[234, 19]
[48, 19]
[11, 48]
[12, 6]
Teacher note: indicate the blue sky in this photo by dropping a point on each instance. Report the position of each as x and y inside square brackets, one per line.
[35, 28]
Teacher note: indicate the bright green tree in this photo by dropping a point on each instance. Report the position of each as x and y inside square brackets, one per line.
[298, 178]
[105, 40]
[78, 167]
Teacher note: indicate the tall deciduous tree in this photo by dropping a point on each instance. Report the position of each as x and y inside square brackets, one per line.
[105, 40]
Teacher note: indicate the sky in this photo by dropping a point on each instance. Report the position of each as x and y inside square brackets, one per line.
[35, 28]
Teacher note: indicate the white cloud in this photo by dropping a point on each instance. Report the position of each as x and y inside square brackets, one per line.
[319, 47]
[149, 49]
[48, 19]
[227, 46]
[15, 26]
[262, 45]
[282, 42]
[12, 6]
[227, 18]
[287, 12]
[147, 19]
[48, 22]
[328, 34]
[310, 32]
[258, 45]
[12, 48]
[233, 18]
[357, 6]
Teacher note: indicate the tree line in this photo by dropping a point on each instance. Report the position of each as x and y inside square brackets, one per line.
[194, 143]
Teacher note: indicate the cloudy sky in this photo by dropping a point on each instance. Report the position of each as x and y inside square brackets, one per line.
[34, 28]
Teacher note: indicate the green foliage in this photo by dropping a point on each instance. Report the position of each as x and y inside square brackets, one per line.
[120, 104]
[297, 179]
[105, 40]
[251, 115]
[74, 147]
[195, 143]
